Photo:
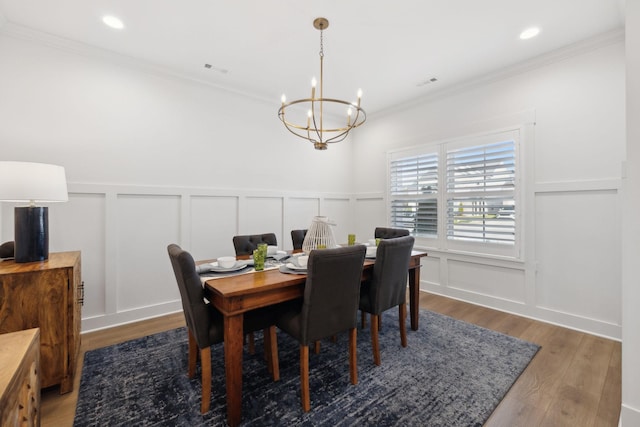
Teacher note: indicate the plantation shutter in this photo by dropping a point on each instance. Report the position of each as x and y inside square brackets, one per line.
[480, 188]
[413, 189]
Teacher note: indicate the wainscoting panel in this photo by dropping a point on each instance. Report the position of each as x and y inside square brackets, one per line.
[263, 215]
[370, 212]
[79, 223]
[578, 253]
[299, 211]
[430, 271]
[339, 211]
[146, 224]
[214, 222]
[488, 280]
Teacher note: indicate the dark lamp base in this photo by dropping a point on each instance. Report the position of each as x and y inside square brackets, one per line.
[31, 234]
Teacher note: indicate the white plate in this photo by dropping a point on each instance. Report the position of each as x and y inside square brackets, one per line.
[286, 270]
[238, 266]
[292, 266]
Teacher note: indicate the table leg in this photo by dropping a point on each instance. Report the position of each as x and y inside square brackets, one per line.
[414, 295]
[233, 367]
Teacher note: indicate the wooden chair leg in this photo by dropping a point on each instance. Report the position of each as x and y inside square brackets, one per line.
[334, 338]
[316, 347]
[271, 350]
[353, 356]
[205, 358]
[304, 378]
[268, 357]
[363, 321]
[193, 355]
[403, 327]
[374, 339]
[252, 344]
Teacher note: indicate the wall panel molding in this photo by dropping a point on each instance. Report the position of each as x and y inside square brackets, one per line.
[200, 219]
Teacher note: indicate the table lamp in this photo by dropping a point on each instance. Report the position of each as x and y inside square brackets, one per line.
[32, 183]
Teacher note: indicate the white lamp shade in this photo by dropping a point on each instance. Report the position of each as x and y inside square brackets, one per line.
[32, 182]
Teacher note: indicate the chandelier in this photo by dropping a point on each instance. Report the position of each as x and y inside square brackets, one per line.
[327, 120]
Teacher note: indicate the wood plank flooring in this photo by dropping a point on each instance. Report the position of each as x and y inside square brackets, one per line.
[574, 380]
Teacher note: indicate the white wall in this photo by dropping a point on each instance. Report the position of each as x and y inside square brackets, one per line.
[151, 160]
[570, 272]
[630, 412]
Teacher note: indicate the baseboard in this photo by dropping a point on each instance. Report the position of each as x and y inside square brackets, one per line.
[124, 317]
[565, 320]
[629, 416]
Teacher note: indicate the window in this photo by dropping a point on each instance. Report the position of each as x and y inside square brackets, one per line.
[458, 194]
[414, 190]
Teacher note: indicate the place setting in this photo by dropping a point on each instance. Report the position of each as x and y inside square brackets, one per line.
[223, 266]
[295, 264]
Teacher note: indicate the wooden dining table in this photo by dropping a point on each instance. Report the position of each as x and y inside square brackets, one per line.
[236, 294]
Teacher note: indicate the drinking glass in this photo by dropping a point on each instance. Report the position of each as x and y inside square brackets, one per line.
[258, 259]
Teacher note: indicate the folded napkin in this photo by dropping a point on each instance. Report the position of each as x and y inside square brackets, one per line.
[203, 268]
[280, 255]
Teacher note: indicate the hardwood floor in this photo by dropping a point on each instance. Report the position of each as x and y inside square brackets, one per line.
[574, 380]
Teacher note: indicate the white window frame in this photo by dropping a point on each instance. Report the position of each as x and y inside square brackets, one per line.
[442, 242]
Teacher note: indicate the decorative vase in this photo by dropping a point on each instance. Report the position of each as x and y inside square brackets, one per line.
[319, 235]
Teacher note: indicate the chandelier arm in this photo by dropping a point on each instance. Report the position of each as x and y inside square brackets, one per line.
[318, 131]
[357, 121]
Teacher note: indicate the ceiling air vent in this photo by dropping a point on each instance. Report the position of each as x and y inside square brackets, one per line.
[219, 70]
[427, 81]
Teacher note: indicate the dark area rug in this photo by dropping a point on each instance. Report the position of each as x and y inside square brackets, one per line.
[451, 374]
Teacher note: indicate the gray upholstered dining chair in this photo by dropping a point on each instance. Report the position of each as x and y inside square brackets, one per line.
[321, 313]
[245, 244]
[389, 233]
[387, 287]
[205, 323]
[297, 237]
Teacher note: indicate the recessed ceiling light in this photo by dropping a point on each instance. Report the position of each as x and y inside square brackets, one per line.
[113, 22]
[529, 33]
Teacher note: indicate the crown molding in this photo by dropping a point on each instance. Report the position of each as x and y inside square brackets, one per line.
[554, 56]
[71, 46]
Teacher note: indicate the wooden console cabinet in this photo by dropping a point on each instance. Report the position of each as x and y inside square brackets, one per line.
[19, 378]
[46, 295]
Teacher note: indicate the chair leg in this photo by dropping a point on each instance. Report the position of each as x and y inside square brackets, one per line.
[316, 347]
[374, 339]
[334, 338]
[271, 352]
[353, 356]
[193, 355]
[403, 327]
[252, 345]
[268, 357]
[363, 320]
[304, 378]
[205, 357]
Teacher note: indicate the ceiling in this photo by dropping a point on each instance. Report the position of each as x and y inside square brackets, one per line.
[266, 48]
